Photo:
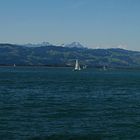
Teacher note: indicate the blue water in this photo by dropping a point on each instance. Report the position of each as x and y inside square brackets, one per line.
[60, 104]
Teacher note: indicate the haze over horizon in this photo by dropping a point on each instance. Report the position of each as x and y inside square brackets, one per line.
[93, 23]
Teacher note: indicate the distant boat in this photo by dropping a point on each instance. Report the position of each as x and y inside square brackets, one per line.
[14, 65]
[85, 66]
[104, 68]
[77, 66]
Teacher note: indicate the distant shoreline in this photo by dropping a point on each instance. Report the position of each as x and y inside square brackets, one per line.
[66, 66]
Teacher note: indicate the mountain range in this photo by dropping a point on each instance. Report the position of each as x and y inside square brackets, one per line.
[65, 55]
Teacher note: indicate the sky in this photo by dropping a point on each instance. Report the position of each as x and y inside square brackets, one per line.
[93, 23]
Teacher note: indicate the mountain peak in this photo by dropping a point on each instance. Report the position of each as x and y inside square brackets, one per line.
[73, 45]
[38, 45]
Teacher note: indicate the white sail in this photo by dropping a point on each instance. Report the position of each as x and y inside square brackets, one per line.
[77, 66]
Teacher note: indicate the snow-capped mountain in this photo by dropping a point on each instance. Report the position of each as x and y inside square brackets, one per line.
[73, 44]
[70, 45]
[38, 45]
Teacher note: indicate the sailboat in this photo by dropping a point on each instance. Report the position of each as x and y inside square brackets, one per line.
[85, 66]
[77, 66]
[14, 65]
[104, 68]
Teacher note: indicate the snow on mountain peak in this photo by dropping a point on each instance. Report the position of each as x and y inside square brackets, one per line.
[73, 45]
[38, 45]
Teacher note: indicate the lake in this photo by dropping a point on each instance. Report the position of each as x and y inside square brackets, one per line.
[40, 103]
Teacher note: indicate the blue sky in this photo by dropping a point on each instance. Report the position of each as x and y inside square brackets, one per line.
[94, 23]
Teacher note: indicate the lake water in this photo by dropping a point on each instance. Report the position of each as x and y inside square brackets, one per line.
[60, 104]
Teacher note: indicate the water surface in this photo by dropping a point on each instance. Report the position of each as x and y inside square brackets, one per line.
[39, 103]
